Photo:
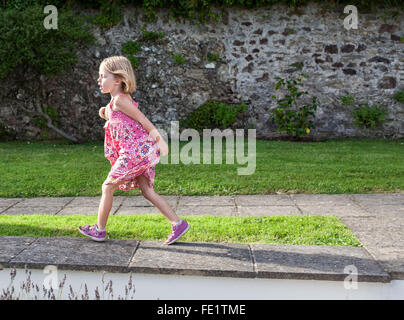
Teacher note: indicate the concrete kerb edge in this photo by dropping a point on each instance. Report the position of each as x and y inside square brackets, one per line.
[203, 272]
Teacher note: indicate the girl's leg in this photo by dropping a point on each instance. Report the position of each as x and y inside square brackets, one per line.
[158, 201]
[105, 204]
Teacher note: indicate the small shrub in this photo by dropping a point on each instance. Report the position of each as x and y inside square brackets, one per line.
[399, 96]
[367, 116]
[212, 114]
[288, 115]
[213, 57]
[178, 59]
[41, 122]
[6, 133]
[131, 47]
[134, 61]
[225, 115]
[52, 113]
[151, 35]
[347, 100]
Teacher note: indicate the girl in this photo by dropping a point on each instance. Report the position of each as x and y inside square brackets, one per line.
[132, 145]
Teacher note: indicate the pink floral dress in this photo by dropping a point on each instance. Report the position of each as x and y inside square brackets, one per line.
[130, 149]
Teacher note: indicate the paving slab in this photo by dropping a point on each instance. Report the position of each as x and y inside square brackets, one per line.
[268, 210]
[136, 210]
[321, 199]
[391, 259]
[45, 210]
[205, 259]
[43, 202]
[83, 254]
[206, 201]
[377, 231]
[263, 200]
[387, 210]
[82, 210]
[40, 205]
[316, 263]
[379, 198]
[6, 203]
[10, 247]
[92, 201]
[334, 210]
[88, 206]
[383, 238]
[225, 211]
[141, 201]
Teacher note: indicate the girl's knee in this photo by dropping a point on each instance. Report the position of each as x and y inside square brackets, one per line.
[108, 187]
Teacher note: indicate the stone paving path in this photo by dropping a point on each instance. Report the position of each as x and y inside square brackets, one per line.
[376, 219]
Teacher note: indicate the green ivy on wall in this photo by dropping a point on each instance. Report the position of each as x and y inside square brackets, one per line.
[200, 11]
[25, 41]
[109, 15]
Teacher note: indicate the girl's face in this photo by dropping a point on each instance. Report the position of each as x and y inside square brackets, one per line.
[106, 81]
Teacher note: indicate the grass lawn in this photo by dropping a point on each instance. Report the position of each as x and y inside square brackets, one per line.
[59, 168]
[294, 230]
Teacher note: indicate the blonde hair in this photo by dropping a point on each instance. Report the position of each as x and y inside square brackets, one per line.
[122, 69]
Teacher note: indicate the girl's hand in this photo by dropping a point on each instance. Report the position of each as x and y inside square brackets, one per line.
[102, 113]
[163, 147]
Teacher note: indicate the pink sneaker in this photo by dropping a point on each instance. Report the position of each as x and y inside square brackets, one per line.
[92, 232]
[178, 232]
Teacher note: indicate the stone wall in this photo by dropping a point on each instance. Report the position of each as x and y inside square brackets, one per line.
[255, 46]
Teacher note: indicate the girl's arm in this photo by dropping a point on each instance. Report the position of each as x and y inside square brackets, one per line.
[126, 106]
